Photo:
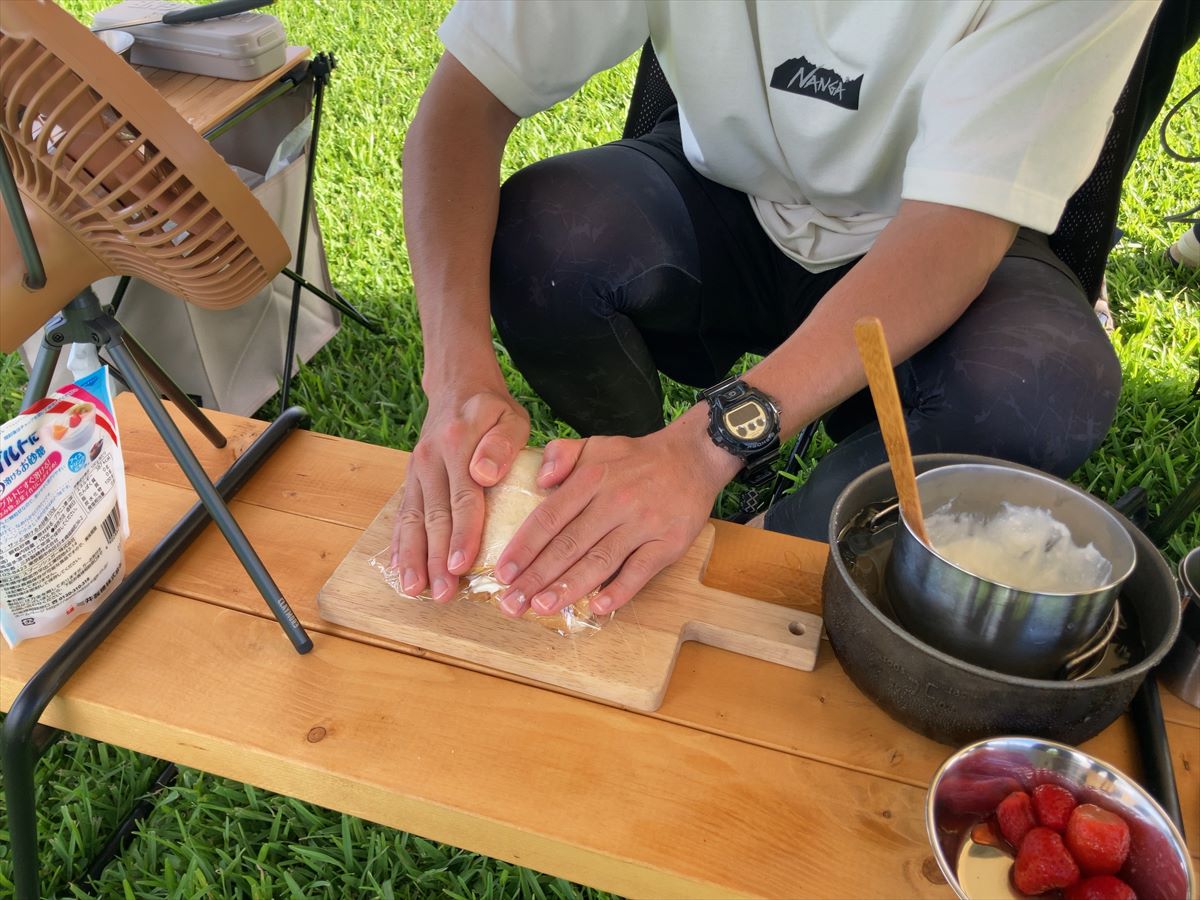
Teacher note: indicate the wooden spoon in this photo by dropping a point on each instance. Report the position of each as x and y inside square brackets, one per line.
[872, 347]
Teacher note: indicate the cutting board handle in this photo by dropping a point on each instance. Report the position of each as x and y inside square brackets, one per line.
[730, 621]
[757, 629]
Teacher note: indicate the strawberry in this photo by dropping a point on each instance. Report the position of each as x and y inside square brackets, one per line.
[1015, 817]
[1100, 887]
[74, 421]
[1043, 863]
[1053, 805]
[1098, 839]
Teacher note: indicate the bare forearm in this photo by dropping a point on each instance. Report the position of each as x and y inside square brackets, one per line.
[922, 273]
[451, 195]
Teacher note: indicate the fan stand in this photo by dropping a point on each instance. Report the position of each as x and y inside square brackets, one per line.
[84, 320]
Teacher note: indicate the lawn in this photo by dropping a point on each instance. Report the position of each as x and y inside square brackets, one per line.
[210, 837]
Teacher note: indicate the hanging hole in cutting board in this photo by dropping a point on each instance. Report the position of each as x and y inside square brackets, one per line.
[796, 628]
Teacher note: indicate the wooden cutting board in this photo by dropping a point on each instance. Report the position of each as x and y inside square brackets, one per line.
[628, 662]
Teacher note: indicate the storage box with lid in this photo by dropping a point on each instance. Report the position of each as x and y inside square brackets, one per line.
[240, 47]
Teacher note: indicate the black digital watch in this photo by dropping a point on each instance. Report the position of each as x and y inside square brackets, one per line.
[744, 421]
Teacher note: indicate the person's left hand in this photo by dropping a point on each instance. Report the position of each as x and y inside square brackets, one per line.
[624, 506]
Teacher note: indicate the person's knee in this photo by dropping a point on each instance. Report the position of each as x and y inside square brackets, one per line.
[1027, 374]
[552, 246]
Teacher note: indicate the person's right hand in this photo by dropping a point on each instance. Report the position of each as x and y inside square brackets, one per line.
[468, 442]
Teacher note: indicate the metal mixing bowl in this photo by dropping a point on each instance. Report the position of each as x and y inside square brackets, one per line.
[1003, 626]
[1180, 671]
[971, 783]
[120, 42]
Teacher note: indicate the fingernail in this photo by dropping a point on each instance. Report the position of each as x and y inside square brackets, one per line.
[508, 572]
[440, 587]
[457, 558]
[487, 468]
[545, 602]
[546, 469]
[409, 581]
[513, 603]
[602, 604]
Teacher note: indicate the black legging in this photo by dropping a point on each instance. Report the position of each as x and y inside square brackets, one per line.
[615, 263]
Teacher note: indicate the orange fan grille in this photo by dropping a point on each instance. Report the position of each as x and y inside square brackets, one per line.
[82, 159]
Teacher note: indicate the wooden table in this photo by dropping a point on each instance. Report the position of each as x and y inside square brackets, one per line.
[752, 779]
[204, 100]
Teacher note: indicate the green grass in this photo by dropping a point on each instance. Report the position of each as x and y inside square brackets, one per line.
[211, 837]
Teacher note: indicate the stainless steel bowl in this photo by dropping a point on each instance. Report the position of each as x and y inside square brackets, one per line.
[971, 783]
[120, 42]
[994, 625]
[1180, 671]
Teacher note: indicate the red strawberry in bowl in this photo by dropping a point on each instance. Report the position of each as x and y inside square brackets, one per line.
[1100, 887]
[1015, 817]
[1043, 863]
[1053, 805]
[1098, 839]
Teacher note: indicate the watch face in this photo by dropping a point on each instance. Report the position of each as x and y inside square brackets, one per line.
[747, 421]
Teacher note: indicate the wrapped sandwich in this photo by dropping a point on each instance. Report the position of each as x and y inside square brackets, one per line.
[507, 504]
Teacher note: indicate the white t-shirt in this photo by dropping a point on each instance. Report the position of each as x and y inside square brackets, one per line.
[828, 113]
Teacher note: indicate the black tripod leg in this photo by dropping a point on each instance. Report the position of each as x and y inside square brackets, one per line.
[1174, 514]
[124, 832]
[163, 382]
[321, 67]
[40, 373]
[195, 473]
[336, 300]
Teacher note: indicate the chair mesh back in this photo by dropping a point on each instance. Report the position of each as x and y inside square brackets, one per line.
[651, 95]
[1084, 234]
[80, 157]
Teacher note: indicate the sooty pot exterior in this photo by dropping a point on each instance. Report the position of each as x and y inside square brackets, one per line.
[954, 702]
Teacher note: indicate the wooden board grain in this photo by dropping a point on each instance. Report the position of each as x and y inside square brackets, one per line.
[820, 715]
[627, 662]
[615, 799]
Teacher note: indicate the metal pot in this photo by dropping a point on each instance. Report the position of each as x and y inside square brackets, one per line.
[956, 702]
[1002, 626]
[1180, 671]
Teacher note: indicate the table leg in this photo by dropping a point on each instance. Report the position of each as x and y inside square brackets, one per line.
[321, 66]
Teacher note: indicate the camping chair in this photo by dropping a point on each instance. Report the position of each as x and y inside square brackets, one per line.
[100, 176]
[1084, 234]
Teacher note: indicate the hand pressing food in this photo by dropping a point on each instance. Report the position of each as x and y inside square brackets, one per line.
[507, 505]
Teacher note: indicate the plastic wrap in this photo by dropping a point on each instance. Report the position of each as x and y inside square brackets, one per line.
[508, 504]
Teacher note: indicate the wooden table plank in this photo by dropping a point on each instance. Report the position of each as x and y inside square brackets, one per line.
[818, 715]
[1175, 710]
[816, 719]
[312, 474]
[615, 799]
[204, 100]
